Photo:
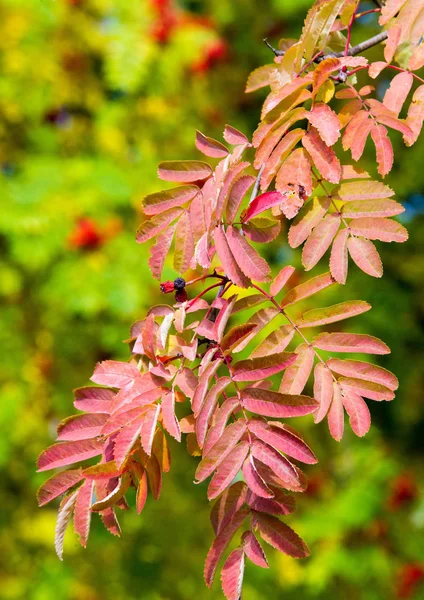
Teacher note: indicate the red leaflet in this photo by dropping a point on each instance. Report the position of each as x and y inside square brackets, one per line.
[221, 417]
[155, 476]
[360, 138]
[227, 259]
[230, 178]
[274, 404]
[235, 335]
[283, 468]
[221, 542]
[202, 387]
[323, 157]
[232, 574]
[283, 439]
[399, 88]
[82, 512]
[105, 470]
[376, 68]
[352, 128]
[415, 116]
[306, 220]
[151, 228]
[64, 516]
[279, 154]
[363, 190]
[126, 439]
[383, 148]
[209, 146]
[249, 261]
[373, 391]
[307, 289]
[262, 367]
[319, 241]
[58, 485]
[254, 481]
[339, 257]
[261, 229]
[280, 536]
[114, 495]
[184, 244]
[338, 312]
[323, 390]
[220, 450]
[93, 399]
[359, 414]
[323, 71]
[157, 203]
[392, 42]
[363, 370]
[286, 90]
[238, 191]
[148, 429]
[170, 421]
[281, 504]
[228, 470]
[81, 427]
[385, 230]
[184, 170]
[253, 550]
[234, 137]
[262, 203]
[208, 407]
[67, 453]
[336, 414]
[114, 373]
[228, 504]
[350, 342]
[297, 374]
[365, 256]
[325, 122]
[280, 281]
[159, 251]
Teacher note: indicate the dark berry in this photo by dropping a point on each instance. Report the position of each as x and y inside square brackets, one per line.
[179, 283]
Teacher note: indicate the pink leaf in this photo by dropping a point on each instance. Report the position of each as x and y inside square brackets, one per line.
[113, 497]
[186, 171]
[231, 500]
[228, 407]
[282, 467]
[280, 281]
[238, 191]
[249, 261]
[254, 481]
[276, 341]
[295, 171]
[396, 94]
[280, 536]
[383, 148]
[170, 421]
[221, 542]
[232, 575]
[208, 407]
[126, 439]
[67, 453]
[325, 122]
[283, 439]
[363, 190]
[415, 116]
[331, 314]
[336, 414]
[376, 68]
[262, 203]
[385, 230]
[296, 376]
[306, 220]
[359, 414]
[228, 470]
[82, 512]
[368, 389]
[259, 368]
[81, 427]
[274, 404]
[202, 387]
[323, 157]
[261, 229]
[372, 208]
[58, 485]
[228, 261]
[209, 146]
[392, 42]
[323, 390]
[364, 370]
[389, 10]
[350, 342]
[364, 254]
[353, 126]
[157, 203]
[253, 550]
[148, 429]
[114, 373]
[220, 450]
[339, 256]
[154, 226]
[319, 241]
[235, 335]
[105, 470]
[64, 516]
[360, 138]
[281, 504]
[159, 251]
[234, 137]
[307, 289]
[279, 154]
[230, 178]
[93, 399]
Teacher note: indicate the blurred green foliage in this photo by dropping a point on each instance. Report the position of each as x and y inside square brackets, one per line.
[93, 93]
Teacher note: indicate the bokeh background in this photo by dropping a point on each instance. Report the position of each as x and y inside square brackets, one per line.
[93, 93]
